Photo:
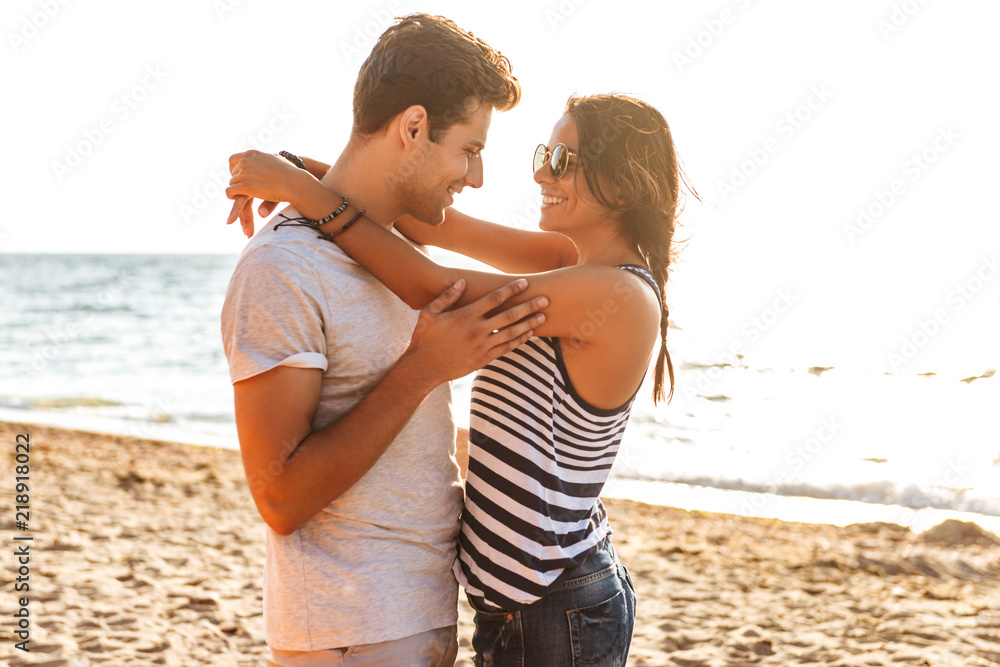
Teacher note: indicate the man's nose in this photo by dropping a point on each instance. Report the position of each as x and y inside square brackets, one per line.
[474, 175]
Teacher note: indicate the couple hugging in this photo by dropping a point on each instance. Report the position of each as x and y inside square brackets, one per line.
[342, 337]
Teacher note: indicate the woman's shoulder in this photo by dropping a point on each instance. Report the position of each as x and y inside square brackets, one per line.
[626, 289]
[646, 275]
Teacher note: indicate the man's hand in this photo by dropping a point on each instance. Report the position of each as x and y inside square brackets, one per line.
[447, 345]
[263, 175]
[294, 472]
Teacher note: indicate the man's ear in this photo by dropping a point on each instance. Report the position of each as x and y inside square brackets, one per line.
[413, 126]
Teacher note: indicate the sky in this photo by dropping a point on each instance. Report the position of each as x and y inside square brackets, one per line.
[845, 153]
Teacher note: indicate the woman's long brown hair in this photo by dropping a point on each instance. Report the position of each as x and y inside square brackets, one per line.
[628, 158]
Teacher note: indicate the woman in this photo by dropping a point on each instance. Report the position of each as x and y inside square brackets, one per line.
[547, 419]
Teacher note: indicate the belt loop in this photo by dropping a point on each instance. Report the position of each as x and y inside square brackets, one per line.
[619, 568]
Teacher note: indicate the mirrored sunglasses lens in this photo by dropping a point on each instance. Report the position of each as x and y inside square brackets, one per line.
[539, 158]
[560, 160]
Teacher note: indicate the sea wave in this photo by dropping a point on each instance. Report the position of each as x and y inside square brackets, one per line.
[877, 492]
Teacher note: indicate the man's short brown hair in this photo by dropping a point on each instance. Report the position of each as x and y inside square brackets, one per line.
[430, 61]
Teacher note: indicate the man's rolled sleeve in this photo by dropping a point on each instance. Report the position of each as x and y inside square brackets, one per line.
[273, 315]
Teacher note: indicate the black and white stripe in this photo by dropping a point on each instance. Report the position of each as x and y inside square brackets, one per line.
[539, 456]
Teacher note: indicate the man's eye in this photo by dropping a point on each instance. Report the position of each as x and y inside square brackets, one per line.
[472, 153]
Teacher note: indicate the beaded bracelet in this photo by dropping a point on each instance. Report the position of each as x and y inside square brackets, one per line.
[294, 159]
[357, 216]
[297, 161]
[316, 224]
[333, 215]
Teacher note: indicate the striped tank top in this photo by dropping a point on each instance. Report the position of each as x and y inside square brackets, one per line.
[539, 456]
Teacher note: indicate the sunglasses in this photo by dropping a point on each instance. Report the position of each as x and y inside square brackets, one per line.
[559, 155]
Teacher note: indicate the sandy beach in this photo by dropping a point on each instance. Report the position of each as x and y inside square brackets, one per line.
[147, 553]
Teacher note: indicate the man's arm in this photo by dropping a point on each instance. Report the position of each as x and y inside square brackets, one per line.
[294, 473]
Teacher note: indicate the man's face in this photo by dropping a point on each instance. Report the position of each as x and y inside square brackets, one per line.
[438, 171]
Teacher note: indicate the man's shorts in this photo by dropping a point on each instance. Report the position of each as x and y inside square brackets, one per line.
[434, 648]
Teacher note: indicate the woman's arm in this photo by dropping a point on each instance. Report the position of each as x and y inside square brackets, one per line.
[315, 167]
[507, 249]
[587, 303]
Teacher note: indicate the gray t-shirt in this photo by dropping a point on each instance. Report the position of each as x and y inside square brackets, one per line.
[375, 564]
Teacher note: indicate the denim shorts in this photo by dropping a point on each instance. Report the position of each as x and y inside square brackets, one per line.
[585, 619]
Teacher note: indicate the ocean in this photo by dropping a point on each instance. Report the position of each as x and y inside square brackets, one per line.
[130, 344]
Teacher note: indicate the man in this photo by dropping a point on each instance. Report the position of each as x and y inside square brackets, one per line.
[344, 419]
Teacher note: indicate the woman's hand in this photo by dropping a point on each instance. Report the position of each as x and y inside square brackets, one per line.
[243, 209]
[268, 177]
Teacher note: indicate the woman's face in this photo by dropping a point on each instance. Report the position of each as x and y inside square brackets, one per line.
[567, 203]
